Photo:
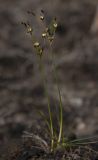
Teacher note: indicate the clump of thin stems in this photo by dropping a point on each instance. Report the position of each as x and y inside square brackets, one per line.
[50, 124]
[48, 35]
[60, 98]
[39, 51]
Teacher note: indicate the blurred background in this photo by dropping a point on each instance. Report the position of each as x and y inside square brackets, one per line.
[76, 58]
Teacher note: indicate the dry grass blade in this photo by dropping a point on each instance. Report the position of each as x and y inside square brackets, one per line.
[40, 143]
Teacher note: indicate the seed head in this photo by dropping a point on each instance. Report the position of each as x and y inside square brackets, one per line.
[29, 29]
[41, 52]
[23, 23]
[36, 44]
[51, 38]
[55, 25]
[41, 17]
[42, 11]
[44, 35]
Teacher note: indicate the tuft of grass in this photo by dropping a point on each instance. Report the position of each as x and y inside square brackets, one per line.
[48, 36]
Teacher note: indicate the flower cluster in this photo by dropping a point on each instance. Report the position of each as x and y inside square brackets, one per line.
[49, 32]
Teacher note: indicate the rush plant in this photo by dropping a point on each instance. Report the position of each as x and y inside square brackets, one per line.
[48, 36]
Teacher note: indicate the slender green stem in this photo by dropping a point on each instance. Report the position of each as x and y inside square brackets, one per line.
[60, 98]
[48, 101]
